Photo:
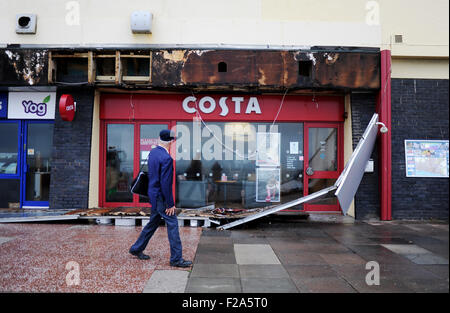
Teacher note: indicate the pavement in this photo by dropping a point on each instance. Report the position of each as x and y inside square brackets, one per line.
[277, 255]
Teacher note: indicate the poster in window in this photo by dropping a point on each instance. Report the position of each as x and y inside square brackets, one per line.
[267, 184]
[268, 149]
[147, 144]
[426, 158]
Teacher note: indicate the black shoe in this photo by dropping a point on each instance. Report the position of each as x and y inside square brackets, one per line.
[181, 263]
[140, 255]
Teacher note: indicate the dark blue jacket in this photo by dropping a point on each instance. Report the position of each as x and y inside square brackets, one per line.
[160, 176]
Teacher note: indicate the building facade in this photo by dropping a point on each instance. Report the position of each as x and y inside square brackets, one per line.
[268, 100]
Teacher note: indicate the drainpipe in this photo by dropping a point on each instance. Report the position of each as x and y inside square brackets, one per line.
[384, 112]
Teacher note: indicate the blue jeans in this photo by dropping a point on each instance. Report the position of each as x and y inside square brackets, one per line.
[172, 231]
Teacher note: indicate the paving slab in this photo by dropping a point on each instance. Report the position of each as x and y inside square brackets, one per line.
[441, 271]
[216, 233]
[215, 270]
[379, 254]
[213, 285]
[323, 285]
[427, 258]
[427, 285]
[255, 254]
[268, 285]
[343, 258]
[386, 285]
[406, 249]
[300, 258]
[215, 248]
[167, 281]
[262, 271]
[310, 271]
[215, 258]
[215, 240]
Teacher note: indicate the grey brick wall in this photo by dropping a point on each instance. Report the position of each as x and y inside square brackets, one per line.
[69, 185]
[419, 111]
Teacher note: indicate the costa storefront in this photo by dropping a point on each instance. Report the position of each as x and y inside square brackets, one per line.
[232, 150]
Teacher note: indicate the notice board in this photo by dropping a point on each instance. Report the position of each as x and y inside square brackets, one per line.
[426, 158]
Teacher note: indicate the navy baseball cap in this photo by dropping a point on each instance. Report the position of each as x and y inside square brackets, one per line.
[166, 135]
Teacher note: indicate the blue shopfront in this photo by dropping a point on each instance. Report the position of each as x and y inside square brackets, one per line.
[26, 141]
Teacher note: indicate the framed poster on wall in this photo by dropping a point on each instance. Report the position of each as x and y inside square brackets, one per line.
[426, 158]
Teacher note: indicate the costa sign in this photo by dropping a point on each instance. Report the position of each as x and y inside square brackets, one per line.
[67, 108]
[208, 105]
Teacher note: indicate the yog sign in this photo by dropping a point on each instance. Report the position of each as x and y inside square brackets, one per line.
[207, 105]
[31, 105]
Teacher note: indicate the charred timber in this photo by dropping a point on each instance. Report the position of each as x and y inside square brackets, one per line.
[218, 69]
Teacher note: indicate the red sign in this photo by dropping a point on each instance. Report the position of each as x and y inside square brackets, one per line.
[67, 108]
[220, 107]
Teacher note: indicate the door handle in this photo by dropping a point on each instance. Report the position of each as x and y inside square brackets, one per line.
[309, 171]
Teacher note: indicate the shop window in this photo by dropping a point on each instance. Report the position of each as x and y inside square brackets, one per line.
[9, 148]
[239, 165]
[10, 195]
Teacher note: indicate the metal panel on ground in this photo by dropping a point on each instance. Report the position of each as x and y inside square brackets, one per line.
[277, 208]
[347, 184]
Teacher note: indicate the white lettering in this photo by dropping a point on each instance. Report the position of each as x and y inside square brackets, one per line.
[212, 149]
[194, 303]
[197, 139]
[373, 277]
[204, 109]
[73, 277]
[73, 16]
[223, 106]
[207, 105]
[373, 13]
[186, 106]
[183, 143]
[237, 104]
[253, 106]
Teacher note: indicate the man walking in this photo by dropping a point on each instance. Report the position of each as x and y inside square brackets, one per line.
[160, 176]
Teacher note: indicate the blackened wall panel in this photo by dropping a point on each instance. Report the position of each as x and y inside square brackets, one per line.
[69, 186]
[367, 199]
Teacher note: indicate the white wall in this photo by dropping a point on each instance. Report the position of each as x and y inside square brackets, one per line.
[364, 23]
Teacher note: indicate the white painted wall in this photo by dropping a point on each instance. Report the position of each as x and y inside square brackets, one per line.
[277, 23]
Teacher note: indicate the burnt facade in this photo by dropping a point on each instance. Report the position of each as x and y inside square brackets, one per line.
[320, 71]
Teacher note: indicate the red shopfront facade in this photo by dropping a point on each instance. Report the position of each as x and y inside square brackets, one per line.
[233, 150]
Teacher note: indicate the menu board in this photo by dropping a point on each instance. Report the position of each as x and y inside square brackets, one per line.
[426, 158]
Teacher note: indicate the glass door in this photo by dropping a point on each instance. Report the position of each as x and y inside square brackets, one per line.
[148, 140]
[127, 146]
[38, 143]
[323, 163]
[119, 164]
